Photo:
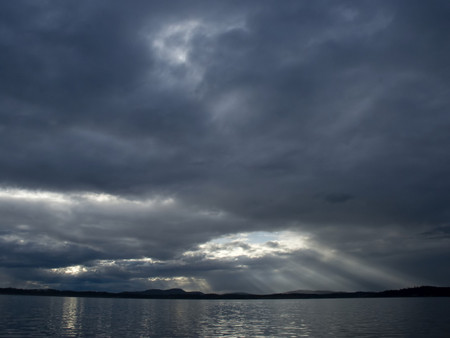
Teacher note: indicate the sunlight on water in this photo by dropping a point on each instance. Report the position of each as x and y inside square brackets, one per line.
[72, 312]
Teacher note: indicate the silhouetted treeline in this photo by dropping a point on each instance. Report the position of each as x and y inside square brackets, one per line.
[421, 291]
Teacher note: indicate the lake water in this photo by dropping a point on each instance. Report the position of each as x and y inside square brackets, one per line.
[31, 316]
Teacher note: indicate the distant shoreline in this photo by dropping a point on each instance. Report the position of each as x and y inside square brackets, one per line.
[421, 291]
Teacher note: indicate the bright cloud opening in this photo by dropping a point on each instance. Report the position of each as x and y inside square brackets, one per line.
[74, 270]
[251, 245]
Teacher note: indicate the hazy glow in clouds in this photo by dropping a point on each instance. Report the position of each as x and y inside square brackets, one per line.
[173, 42]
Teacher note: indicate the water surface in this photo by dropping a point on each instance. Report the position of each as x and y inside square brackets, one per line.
[33, 316]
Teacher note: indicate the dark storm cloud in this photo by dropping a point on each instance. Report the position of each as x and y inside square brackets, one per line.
[338, 198]
[202, 119]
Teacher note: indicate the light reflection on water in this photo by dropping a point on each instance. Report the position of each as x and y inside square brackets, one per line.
[22, 316]
[72, 312]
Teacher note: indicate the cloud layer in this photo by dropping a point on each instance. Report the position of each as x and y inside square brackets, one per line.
[224, 146]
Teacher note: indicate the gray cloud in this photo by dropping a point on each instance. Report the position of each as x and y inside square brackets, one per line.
[146, 130]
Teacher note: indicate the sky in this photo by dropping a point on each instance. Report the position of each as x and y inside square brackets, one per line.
[222, 146]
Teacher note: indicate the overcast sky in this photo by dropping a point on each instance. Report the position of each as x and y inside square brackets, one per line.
[258, 146]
